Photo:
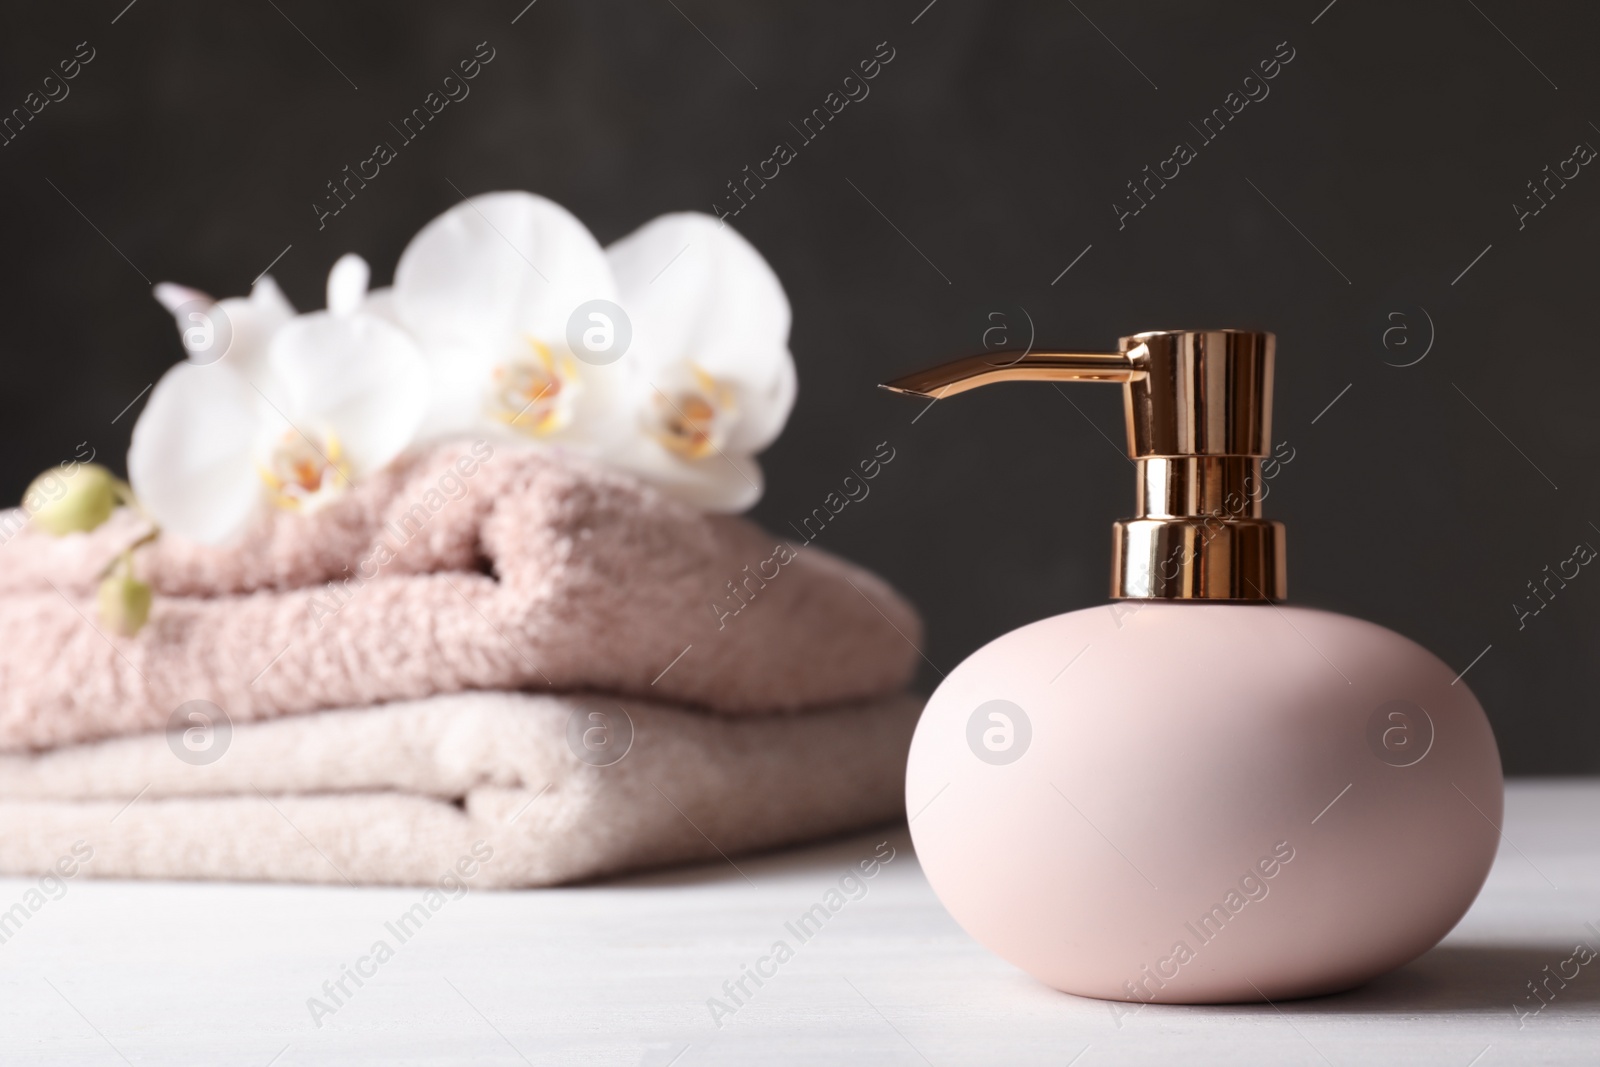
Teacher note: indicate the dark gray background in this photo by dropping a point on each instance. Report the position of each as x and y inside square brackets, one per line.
[996, 141]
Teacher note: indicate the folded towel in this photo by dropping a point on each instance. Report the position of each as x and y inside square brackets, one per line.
[470, 567]
[403, 793]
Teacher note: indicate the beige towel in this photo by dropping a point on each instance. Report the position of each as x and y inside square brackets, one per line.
[484, 789]
[470, 567]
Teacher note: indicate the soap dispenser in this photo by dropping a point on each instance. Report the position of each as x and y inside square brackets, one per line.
[1198, 793]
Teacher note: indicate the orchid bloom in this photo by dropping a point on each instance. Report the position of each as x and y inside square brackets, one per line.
[488, 290]
[666, 354]
[294, 411]
[714, 379]
[238, 328]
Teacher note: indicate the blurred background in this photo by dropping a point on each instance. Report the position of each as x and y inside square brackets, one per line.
[1374, 209]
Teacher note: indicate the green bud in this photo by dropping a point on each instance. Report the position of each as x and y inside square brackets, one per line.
[124, 601]
[67, 501]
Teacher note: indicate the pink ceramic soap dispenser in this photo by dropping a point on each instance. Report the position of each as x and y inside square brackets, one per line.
[1198, 793]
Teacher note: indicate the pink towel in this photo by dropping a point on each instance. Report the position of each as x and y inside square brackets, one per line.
[469, 567]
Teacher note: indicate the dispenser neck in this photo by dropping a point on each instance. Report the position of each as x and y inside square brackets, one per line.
[1198, 534]
[1199, 424]
[1199, 413]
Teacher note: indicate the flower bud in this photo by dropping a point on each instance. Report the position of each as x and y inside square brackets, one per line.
[71, 500]
[124, 601]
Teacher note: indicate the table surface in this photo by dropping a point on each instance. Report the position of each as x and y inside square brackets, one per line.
[621, 973]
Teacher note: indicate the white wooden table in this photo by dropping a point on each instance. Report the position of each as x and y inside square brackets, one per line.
[621, 973]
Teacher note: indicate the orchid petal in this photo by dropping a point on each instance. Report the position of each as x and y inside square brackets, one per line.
[488, 289]
[253, 320]
[380, 302]
[496, 267]
[356, 378]
[191, 460]
[173, 296]
[720, 482]
[700, 294]
[347, 284]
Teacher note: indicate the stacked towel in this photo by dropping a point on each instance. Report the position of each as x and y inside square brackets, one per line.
[480, 644]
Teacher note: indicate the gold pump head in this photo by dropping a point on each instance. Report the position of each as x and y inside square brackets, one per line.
[1199, 410]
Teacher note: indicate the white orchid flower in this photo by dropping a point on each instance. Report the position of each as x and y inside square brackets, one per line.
[715, 381]
[489, 290]
[327, 399]
[238, 328]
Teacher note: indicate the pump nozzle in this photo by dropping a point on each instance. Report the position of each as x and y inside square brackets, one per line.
[1199, 408]
[958, 376]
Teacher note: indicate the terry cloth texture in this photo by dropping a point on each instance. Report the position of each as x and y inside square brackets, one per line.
[406, 793]
[468, 567]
